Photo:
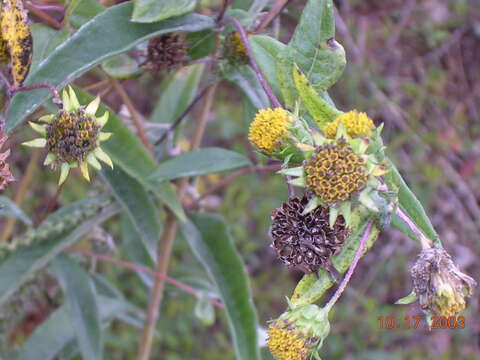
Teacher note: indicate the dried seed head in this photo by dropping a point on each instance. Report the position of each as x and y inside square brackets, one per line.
[165, 52]
[71, 136]
[5, 174]
[439, 285]
[234, 50]
[299, 333]
[357, 124]
[306, 241]
[269, 129]
[335, 173]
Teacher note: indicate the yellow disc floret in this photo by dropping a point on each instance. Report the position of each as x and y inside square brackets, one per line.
[335, 172]
[269, 129]
[357, 124]
[286, 342]
[234, 50]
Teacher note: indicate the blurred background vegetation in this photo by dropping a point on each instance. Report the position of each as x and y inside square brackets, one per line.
[413, 65]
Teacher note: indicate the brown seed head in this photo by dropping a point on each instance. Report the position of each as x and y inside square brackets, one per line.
[165, 52]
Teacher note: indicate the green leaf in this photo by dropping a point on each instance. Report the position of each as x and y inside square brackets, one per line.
[137, 204]
[316, 288]
[313, 49]
[45, 41]
[121, 66]
[266, 51]
[204, 310]
[127, 152]
[57, 331]
[110, 33]
[199, 162]
[245, 78]
[409, 299]
[82, 306]
[22, 264]
[9, 209]
[177, 93]
[409, 203]
[212, 245]
[147, 11]
[85, 11]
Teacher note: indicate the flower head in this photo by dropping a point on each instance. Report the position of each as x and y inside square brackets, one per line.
[165, 52]
[234, 50]
[357, 124]
[439, 285]
[335, 172]
[5, 174]
[269, 129]
[299, 333]
[72, 136]
[303, 240]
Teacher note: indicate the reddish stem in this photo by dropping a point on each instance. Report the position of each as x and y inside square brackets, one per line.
[55, 95]
[145, 270]
[258, 72]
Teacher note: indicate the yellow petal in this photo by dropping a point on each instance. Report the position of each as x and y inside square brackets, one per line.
[67, 105]
[102, 136]
[38, 143]
[84, 170]
[46, 118]
[73, 98]
[92, 160]
[41, 129]
[102, 156]
[50, 158]
[102, 120]
[92, 108]
[64, 170]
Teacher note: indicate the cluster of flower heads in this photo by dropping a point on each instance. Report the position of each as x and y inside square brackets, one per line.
[72, 136]
[234, 50]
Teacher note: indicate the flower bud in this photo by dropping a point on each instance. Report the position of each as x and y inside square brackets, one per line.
[357, 124]
[439, 285]
[299, 333]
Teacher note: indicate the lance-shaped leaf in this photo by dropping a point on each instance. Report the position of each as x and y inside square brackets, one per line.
[245, 78]
[213, 246]
[18, 39]
[10, 209]
[147, 11]
[81, 299]
[89, 46]
[314, 49]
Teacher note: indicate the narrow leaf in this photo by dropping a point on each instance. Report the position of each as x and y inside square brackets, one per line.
[45, 41]
[9, 209]
[90, 45]
[199, 162]
[147, 11]
[82, 306]
[245, 78]
[213, 246]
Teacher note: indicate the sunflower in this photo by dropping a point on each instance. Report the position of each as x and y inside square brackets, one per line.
[72, 136]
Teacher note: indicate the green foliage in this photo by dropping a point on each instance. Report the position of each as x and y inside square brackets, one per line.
[9, 209]
[147, 11]
[212, 244]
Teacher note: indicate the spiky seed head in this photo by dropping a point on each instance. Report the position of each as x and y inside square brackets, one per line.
[234, 50]
[165, 52]
[5, 174]
[357, 124]
[299, 333]
[439, 285]
[335, 172]
[306, 242]
[269, 129]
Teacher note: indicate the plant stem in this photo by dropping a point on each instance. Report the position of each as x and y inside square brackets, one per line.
[223, 9]
[55, 95]
[51, 204]
[20, 195]
[353, 265]
[272, 14]
[164, 253]
[145, 270]
[258, 72]
[35, 9]
[426, 242]
[133, 113]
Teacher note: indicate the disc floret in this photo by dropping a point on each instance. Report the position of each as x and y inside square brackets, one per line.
[72, 137]
[270, 129]
[357, 124]
[234, 50]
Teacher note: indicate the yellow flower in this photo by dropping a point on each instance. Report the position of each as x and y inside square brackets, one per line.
[286, 342]
[234, 50]
[335, 172]
[269, 129]
[357, 124]
[72, 136]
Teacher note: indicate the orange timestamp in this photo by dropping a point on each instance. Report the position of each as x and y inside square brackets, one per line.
[414, 322]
